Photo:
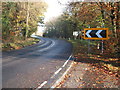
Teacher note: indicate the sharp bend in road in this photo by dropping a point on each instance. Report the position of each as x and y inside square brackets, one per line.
[32, 65]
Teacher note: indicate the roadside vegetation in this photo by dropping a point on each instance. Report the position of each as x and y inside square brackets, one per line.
[19, 44]
[110, 64]
[19, 21]
[80, 15]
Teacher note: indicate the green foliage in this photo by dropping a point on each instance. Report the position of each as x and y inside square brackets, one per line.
[19, 19]
[19, 44]
[61, 27]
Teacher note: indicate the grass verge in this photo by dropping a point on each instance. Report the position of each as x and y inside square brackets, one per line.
[18, 44]
[94, 57]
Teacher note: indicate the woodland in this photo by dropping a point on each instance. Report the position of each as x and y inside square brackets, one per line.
[20, 20]
[80, 15]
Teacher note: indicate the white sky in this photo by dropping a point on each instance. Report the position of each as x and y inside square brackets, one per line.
[54, 8]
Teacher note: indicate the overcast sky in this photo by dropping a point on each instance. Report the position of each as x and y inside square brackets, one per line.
[54, 8]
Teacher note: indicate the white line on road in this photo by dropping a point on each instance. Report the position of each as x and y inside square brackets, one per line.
[67, 61]
[56, 83]
[60, 79]
[62, 67]
[43, 44]
[41, 85]
[53, 43]
[58, 70]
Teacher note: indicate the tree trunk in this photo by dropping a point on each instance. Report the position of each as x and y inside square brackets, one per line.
[117, 25]
[27, 19]
[103, 14]
[117, 18]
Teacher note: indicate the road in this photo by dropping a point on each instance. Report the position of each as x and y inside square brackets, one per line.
[35, 65]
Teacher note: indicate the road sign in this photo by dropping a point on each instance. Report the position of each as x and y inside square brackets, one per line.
[76, 33]
[96, 33]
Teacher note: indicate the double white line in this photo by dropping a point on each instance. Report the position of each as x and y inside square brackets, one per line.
[45, 82]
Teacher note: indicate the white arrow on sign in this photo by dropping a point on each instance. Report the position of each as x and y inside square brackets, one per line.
[98, 33]
[87, 33]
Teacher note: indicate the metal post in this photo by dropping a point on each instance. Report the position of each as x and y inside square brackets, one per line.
[102, 40]
[88, 46]
[102, 46]
[88, 43]
[98, 45]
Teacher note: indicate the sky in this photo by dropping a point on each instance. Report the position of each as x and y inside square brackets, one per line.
[54, 8]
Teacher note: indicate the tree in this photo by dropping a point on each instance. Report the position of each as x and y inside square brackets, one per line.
[19, 19]
[80, 15]
[61, 27]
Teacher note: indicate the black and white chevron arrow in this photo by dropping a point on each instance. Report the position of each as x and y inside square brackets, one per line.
[96, 33]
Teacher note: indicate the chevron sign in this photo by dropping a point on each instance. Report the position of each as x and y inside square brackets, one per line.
[96, 33]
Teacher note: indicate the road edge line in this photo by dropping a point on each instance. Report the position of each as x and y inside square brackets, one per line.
[58, 71]
[41, 85]
[62, 77]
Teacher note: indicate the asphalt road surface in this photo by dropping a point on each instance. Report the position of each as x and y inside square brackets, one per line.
[35, 65]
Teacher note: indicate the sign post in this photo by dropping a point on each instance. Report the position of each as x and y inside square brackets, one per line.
[96, 34]
[102, 47]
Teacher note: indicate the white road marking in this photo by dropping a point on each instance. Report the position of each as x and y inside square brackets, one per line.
[87, 33]
[67, 61]
[58, 71]
[60, 79]
[43, 44]
[98, 33]
[41, 85]
[53, 43]
[62, 67]
[56, 74]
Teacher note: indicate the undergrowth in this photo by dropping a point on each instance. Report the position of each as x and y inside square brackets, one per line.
[92, 55]
[18, 44]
